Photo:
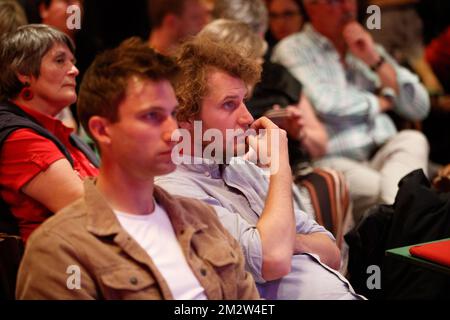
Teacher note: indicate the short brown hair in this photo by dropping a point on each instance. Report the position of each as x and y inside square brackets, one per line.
[21, 52]
[196, 58]
[105, 83]
[12, 16]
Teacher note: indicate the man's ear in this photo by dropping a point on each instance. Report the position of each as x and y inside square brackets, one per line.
[99, 128]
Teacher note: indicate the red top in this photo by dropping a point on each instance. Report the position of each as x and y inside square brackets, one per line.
[25, 154]
[438, 56]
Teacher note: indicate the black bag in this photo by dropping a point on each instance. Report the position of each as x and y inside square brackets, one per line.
[419, 214]
[11, 251]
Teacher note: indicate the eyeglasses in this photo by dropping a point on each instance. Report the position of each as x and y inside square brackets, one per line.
[288, 14]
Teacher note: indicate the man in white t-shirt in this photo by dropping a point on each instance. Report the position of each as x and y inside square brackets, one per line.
[126, 238]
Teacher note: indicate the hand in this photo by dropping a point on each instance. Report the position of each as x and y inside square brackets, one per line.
[442, 181]
[270, 144]
[360, 43]
[385, 104]
[292, 120]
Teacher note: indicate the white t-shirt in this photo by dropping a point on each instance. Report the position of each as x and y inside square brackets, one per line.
[155, 234]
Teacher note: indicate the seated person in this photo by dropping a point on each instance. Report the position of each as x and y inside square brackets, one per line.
[401, 36]
[127, 238]
[352, 83]
[42, 164]
[172, 21]
[325, 189]
[285, 18]
[289, 255]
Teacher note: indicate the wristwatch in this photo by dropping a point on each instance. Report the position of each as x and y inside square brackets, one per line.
[388, 93]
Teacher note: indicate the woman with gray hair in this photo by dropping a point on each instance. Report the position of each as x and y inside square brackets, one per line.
[41, 161]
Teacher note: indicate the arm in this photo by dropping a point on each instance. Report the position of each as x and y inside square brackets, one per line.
[56, 187]
[314, 136]
[276, 225]
[301, 123]
[412, 101]
[343, 103]
[245, 282]
[362, 46]
[320, 244]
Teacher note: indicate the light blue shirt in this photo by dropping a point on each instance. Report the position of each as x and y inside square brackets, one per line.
[237, 192]
[344, 97]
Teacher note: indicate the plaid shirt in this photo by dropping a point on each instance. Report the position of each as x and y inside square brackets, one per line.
[344, 96]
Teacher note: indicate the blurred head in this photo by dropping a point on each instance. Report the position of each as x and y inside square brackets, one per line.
[214, 81]
[41, 59]
[183, 17]
[12, 16]
[329, 17]
[126, 103]
[54, 13]
[239, 35]
[251, 12]
[285, 17]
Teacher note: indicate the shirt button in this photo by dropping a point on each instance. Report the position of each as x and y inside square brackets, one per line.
[203, 272]
[134, 280]
[207, 174]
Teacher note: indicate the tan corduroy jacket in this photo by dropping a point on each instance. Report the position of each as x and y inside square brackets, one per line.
[83, 253]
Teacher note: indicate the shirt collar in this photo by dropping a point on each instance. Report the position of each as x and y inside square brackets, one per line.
[102, 221]
[50, 123]
[200, 165]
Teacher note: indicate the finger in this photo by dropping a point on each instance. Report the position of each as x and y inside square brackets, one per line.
[263, 123]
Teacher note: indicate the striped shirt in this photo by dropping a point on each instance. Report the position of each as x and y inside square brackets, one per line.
[344, 96]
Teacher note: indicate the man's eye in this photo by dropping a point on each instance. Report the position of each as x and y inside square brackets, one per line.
[154, 116]
[229, 105]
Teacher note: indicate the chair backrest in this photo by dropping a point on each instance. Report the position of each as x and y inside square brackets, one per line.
[11, 251]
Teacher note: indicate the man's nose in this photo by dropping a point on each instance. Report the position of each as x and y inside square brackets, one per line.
[245, 117]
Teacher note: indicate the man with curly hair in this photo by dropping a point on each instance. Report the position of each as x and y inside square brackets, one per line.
[289, 255]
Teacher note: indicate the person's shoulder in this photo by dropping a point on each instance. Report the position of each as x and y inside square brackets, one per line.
[189, 207]
[293, 41]
[297, 46]
[182, 182]
[65, 223]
